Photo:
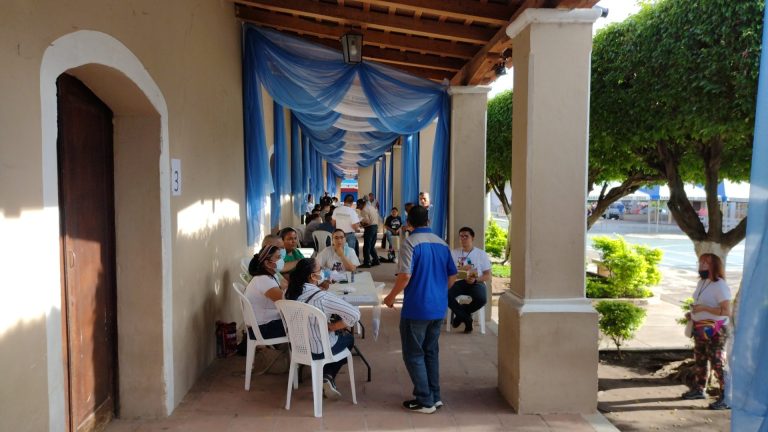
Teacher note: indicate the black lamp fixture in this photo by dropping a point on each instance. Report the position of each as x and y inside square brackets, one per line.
[352, 47]
[501, 67]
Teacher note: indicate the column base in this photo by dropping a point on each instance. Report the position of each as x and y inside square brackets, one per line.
[548, 355]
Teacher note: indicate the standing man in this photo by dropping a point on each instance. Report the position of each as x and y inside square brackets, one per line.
[425, 202]
[372, 200]
[425, 272]
[345, 218]
[370, 222]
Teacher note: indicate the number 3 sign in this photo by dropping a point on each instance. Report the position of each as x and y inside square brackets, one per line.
[176, 177]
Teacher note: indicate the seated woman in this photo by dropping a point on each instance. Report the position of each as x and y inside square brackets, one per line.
[339, 257]
[264, 290]
[304, 287]
[292, 253]
[474, 270]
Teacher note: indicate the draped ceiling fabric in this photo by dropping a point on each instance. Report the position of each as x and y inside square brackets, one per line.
[350, 114]
[748, 389]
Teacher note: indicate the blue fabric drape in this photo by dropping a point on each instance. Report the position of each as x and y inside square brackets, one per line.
[381, 192]
[280, 174]
[314, 82]
[297, 183]
[390, 180]
[351, 113]
[374, 183]
[410, 169]
[306, 149]
[439, 181]
[749, 392]
[330, 177]
[307, 81]
[258, 183]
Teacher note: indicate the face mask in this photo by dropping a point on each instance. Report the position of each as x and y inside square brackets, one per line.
[704, 274]
[320, 277]
[282, 253]
[279, 265]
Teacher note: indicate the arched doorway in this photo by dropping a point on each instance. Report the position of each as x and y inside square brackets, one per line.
[142, 252]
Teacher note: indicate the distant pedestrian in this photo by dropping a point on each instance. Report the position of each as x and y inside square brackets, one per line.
[425, 273]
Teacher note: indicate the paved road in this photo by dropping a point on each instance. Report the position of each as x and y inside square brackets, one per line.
[677, 247]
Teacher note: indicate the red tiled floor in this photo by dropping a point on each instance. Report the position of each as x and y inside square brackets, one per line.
[218, 402]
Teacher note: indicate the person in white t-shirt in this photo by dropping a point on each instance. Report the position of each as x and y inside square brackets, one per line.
[264, 290]
[474, 268]
[710, 313]
[346, 219]
[339, 257]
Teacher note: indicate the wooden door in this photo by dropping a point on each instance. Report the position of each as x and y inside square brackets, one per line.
[86, 203]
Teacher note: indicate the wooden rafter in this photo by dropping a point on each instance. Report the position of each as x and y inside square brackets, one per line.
[401, 58]
[370, 37]
[388, 22]
[496, 14]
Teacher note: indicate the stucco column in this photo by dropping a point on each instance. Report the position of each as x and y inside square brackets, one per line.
[466, 207]
[547, 328]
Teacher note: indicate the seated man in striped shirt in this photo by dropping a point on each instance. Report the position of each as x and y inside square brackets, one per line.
[304, 286]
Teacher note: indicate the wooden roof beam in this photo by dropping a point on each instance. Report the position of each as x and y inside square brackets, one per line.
[447, 65]
[472, 72]
[370, 37]
[495, 14]
[396, 23]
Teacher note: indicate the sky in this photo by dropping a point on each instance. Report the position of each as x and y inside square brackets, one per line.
[618, 10]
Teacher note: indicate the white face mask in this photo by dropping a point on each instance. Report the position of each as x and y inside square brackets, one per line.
[279, 265]
[320, 277]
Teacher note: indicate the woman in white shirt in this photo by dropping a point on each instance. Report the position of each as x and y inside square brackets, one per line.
[264, 290]
[474, 271]
[710, 313]
[304, 286]
[339, 257]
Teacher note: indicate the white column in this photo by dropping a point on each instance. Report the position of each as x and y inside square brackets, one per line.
[467, 162]
[547, 328]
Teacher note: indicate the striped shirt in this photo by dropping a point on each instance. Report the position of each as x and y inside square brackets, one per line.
[330, 304]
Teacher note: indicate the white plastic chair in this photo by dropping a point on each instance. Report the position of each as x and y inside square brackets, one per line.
[250, 322]
[321, 239]
[301, 320]
[479, 315]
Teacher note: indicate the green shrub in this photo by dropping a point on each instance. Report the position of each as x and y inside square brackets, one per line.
[633, 267]
[619, 320]
[501, 270]
[495, 240]
[598, 287]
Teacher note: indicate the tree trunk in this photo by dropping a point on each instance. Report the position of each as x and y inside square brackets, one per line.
[630, 185]
[712, 240]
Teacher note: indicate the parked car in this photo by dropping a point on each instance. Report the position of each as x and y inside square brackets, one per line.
[614, 211]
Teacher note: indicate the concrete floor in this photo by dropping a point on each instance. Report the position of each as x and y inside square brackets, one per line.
[468, 367]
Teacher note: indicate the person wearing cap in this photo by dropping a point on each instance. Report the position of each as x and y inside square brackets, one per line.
[264, 290]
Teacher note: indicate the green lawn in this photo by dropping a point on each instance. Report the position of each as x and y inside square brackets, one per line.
[499, 270]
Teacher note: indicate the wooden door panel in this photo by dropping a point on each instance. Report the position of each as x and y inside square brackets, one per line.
[86, 201]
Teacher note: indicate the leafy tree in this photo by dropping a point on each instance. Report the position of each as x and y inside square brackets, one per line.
[673, 100]
[498, 164]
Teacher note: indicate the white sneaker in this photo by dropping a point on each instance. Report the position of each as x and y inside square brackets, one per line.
[329, 389]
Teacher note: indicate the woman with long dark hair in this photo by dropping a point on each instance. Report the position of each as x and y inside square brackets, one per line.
[264, 290]
[710, 313]
[304, 286]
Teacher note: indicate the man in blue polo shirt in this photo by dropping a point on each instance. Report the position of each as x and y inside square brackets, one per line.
[426, 271]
